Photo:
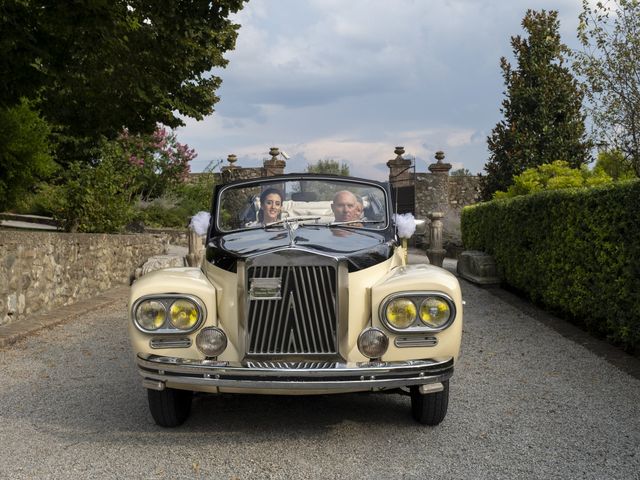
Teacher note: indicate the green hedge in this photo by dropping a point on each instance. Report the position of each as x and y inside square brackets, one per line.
[576, 252]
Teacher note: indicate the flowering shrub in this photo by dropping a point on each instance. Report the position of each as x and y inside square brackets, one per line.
[553, 176]
[133, 168]
[156, 163]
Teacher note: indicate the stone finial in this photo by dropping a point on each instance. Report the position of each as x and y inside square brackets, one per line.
[399, 151]
[229, 172]
[274, 152]
[440, 167]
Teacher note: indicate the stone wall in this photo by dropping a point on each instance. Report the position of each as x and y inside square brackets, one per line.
[230, 174]
[175, 236]
[463, 191]
[42, 270]
[447, 194]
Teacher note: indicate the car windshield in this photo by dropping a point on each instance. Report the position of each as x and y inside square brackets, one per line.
[307, 202]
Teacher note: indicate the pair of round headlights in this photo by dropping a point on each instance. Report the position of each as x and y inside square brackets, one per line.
[420, 313]
[180, 314]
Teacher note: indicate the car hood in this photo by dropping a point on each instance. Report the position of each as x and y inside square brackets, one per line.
[359, 247]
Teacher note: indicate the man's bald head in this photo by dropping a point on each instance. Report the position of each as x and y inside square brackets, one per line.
[345, 206]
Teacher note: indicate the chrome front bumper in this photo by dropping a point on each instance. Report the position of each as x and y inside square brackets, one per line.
[159, 372]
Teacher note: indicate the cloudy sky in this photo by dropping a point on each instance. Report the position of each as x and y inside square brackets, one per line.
[351, 79]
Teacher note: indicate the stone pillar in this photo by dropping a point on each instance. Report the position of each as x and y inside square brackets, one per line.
[400, 170]
[228, 172]
[274, 165]
[436, 252]
[441, 172]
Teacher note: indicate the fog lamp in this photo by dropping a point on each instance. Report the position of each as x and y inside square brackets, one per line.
[401, 313]
[373, 343]
[434, 312]
[150, 314]
[184, 314]
[211, 341]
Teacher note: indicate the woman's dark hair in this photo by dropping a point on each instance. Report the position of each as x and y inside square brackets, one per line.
[263, 196]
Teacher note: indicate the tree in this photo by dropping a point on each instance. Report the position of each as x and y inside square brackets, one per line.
[25, 152]
[329, 166]
[543, 120]
[614, 164]
[94, 198]
[610, 62]
[97, 66]
[461, 172]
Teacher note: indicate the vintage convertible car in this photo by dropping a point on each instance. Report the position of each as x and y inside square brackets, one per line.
[318, 300]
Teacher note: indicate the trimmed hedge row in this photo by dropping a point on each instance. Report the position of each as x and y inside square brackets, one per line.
[575, 251]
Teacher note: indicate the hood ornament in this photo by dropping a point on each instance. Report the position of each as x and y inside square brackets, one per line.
[291, 226]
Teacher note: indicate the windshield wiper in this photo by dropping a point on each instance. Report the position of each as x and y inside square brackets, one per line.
[350, 223]
[301, 218]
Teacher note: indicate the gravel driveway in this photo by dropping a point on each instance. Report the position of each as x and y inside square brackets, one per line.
[526, 402]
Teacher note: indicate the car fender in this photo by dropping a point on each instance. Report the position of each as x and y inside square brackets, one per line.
[420, 278]
[181, 280]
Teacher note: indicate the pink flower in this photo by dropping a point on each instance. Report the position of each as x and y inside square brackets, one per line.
[138, 162]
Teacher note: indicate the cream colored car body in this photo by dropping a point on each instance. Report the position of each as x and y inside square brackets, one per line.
[295, 306]
[218, 291]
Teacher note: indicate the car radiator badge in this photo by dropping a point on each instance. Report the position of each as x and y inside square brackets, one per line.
[265, 288]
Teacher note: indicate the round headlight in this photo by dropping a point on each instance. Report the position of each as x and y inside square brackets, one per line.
[401, 313]
[434, 312]
[211, 341]
[373, 343]
[184, 314]
[150, 314]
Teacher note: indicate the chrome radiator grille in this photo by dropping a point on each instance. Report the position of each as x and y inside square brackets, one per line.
[292, 365]
[303, 320]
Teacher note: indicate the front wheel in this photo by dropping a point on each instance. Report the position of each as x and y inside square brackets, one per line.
[169, 407]
[430, 408]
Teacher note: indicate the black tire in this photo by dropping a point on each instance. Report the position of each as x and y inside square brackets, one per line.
[169, 407]
[430, 409]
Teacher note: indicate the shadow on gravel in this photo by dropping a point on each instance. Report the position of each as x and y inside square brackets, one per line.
[114, 410]
[302, 414]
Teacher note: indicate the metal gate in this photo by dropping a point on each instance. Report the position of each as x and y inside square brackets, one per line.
[405, 199]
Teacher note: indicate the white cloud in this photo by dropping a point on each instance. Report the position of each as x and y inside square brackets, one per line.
[352, 79]
[459, 138]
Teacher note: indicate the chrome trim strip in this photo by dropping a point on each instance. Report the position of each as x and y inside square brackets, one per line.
[243, 304]
[421, 327]
[168, 342]
[364, 384]
[343, 308]
[338, 375]
[169, 299]
[405, 342]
